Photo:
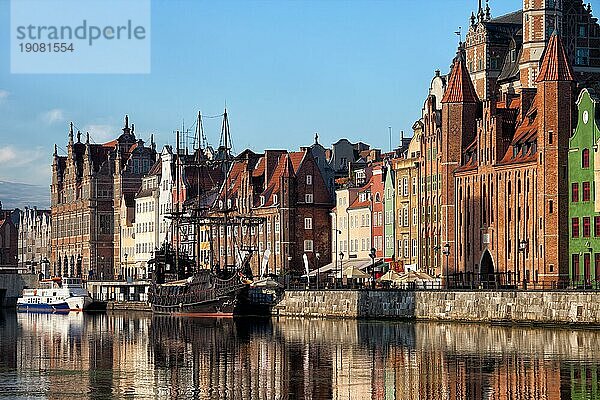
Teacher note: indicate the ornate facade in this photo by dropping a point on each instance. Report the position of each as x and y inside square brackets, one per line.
[88, 185]
[35, 229]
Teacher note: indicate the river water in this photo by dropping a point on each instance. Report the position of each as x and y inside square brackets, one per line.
[79, 356]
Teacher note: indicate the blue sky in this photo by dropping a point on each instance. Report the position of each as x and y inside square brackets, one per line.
[285, 69]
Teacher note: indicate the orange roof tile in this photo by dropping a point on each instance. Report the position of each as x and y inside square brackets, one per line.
[260, 167]
[555, 66]
[460, 87]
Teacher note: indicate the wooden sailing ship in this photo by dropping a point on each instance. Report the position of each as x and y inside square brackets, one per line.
[215, 286]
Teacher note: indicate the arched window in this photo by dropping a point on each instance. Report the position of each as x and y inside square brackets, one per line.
[585, 158]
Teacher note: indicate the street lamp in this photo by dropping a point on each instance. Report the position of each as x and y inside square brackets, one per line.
[372, 255]
[125, 272]
[523, 248]
[446, 252]
[337, 232]
[318, 256]
[341, 263]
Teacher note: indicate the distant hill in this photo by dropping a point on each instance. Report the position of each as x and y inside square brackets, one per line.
[13, 195]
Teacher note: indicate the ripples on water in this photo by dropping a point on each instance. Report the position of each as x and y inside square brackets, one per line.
[79, 356]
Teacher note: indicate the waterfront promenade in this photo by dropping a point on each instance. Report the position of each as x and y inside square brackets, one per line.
[489, 306]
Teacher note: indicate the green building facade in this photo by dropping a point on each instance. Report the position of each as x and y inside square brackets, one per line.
[584, 194]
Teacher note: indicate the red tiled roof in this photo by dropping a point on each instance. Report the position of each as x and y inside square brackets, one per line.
[460, 87]
[296, 157]
[260, 167]
[359, 204]
[555, 66]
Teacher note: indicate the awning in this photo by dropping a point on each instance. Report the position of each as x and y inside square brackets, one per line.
[352, 263]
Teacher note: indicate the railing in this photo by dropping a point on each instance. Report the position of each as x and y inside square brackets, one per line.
[458, 282]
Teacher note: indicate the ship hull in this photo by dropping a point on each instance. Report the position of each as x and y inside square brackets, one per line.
[220, 307]
[70, 304]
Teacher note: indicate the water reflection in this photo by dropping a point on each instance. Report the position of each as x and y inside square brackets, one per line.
[140, 356]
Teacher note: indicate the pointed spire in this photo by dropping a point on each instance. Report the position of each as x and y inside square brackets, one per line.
[472, 18]
[55, 150]
[78, 136]
[487, 11]
[555, 65]
[316, 138]
[133, 129]
[480, 13]
[71, 133]
[87, 138]
[152, 144]
[460, 87]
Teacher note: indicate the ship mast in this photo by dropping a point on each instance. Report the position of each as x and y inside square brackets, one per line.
[225, 148]
[177, 172]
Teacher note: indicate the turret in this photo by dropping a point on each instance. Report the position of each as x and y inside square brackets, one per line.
[126, 129]
[555, 104]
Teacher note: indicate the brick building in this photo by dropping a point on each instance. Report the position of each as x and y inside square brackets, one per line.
[503, 53]
[88, 185]
[511, 186]
[9, 244]
[288, 191]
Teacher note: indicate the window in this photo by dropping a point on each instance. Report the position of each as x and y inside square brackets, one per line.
[308, 198]
[585, 158]
[574, 192]
[308, 245]
[277, 225]
[550, 137]
[575, 227]
[307, 223]
[277, 247]
[275, 199]
[550, 206]
[586, 192]
[597, 227]
[586, 226]
[405, 186]
[582, 30]
[582, 56]
[309, 179]
[406, 255]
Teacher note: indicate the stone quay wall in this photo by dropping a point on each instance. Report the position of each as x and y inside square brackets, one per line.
[535, 307]
[12, 285]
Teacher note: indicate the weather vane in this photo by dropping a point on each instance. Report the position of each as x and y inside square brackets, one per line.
[459, 34]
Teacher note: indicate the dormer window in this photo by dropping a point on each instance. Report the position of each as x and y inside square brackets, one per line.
[275, 199]
[262, 200]
[309, 179]
[220, 203]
